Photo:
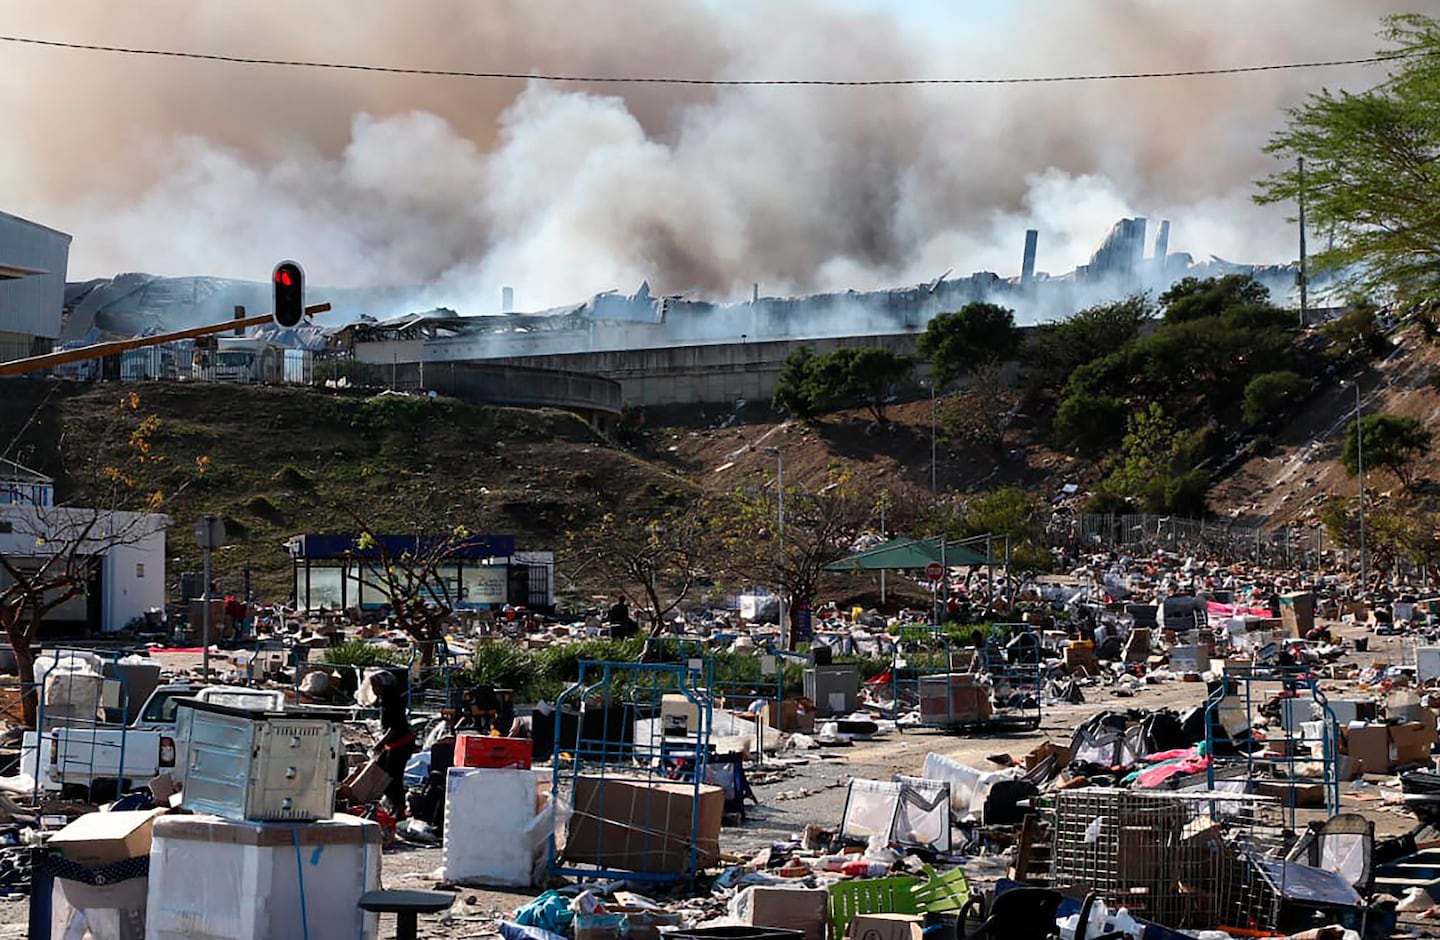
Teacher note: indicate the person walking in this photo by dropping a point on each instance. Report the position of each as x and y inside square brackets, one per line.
[397, 740]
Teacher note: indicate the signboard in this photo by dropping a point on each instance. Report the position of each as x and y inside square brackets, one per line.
[934, 571]
[484, 586]
[210, 532]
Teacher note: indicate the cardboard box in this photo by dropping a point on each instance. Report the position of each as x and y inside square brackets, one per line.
[1410, 743]
[637, 825]
[1080, 654]
[792, 715]
[1382, 748]
[99, 839]
[1292, 793]
[1370, 745]
[1137, 646]
[887, 927]
[1297, 613]
[1190, 659]
[802, 909]
[1035, 757]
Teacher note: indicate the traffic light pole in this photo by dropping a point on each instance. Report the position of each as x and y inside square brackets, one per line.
[100, 350]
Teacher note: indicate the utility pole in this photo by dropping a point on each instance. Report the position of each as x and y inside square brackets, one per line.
[210, 534]
[932, 382]
[1304, 262]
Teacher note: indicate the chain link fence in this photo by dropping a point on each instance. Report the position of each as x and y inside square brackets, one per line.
[1226, 541]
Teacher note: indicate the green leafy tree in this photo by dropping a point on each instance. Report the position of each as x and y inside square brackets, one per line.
[1154, 465]
[1060, 348]
[1370, 162]
[978, 333]
[1355, 334]
[1391, 442]
[1271, 393]
[868, 376]
[1149, 452]
[1009, 511]
[1087, 423]
[1195, 299]
[794, 390]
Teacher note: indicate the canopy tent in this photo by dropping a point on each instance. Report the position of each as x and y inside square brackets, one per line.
[909, 553]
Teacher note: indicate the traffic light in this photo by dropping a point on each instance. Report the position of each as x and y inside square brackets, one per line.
[288, 280]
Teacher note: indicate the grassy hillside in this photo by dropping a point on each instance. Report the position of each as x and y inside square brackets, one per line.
[284, 461]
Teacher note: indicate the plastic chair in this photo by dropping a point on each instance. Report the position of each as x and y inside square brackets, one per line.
[849, 899]
[1019, 912]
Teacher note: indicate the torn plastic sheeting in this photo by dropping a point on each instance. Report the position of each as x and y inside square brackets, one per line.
[968, 787]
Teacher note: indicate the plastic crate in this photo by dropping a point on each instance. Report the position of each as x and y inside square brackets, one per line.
[870, 896]
[478, 750]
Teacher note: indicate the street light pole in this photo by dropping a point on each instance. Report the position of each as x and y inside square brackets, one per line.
[1360, 468]
[932, 436]
[780, 513]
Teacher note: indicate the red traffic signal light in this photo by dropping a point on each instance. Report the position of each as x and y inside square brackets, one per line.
[288, 281]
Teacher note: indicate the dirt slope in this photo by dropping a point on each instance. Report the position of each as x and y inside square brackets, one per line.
[1286, 487]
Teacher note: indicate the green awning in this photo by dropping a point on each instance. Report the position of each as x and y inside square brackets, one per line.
[908, 553]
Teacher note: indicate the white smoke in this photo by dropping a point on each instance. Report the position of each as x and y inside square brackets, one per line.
[187, 168]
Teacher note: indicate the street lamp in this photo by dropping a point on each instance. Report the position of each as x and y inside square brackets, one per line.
[931, 383]
[779, 456]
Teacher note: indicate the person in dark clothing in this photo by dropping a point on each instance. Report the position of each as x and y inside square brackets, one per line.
[397, 740]
[622, 625]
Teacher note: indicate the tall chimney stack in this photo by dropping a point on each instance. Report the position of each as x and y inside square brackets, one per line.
[1162, 244]
[755, 294]
[239, 315]
[1027, 267]
[507, 300]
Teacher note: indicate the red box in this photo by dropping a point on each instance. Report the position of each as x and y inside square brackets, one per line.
[479, 750]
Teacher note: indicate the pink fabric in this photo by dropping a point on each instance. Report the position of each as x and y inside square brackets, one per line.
[1157, 775]
[1219, 613]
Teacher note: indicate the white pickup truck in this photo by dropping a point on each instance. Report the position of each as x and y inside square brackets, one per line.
[97, 757]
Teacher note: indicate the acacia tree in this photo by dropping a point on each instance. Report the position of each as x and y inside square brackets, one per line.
[821, 527]
[1369, 174]
[655, 560]
[53, 550]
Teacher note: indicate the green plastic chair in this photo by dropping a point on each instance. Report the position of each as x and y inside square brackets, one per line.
[894, 895]
[941, 893]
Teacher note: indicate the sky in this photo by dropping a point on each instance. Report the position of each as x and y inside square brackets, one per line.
[561, 190]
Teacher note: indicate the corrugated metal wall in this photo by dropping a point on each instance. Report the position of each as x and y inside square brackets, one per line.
[32, 305]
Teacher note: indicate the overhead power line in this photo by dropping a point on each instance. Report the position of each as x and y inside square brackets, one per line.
[672, 80]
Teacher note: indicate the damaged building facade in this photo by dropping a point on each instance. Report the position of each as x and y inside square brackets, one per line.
[666, 350]
[615, 349]
[33, 261]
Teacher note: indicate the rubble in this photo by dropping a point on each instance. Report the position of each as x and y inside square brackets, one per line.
[1186, 743]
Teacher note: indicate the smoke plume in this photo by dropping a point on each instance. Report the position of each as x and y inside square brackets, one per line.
[560, 190]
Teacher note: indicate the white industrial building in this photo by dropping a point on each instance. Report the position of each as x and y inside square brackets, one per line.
[127, 575]
[33, 262]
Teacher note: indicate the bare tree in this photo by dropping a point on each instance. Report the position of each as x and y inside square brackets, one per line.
[653, 561]
[821, 527]
[53, 550]
[413, 568]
